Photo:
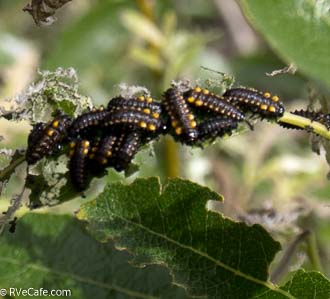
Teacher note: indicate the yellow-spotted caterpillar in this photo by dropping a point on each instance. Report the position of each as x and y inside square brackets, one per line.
[111, 136]
[263, 104]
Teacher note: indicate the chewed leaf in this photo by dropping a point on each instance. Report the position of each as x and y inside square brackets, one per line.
[207, 253]
[43, 11]
[52, 91]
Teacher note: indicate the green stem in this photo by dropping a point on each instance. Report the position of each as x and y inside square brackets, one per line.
[147, 8]
[288, 254]
[172, 158]
[312, 252]
[171, 149]
[304, 123]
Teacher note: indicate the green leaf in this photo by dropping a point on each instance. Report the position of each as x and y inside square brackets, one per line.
[206, 253]
[299, 31]
[55, 252]
[147, 57]
[141, 26]
[305, 285]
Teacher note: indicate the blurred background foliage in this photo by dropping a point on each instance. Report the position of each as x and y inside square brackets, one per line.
[269, 175]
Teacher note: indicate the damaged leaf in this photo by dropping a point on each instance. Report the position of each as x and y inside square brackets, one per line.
[43, 11]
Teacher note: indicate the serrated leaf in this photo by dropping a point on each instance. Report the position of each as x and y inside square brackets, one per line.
[208, 254]
[55, 252]
[299, 31]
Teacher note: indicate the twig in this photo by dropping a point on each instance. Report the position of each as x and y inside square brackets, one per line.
[15, 205]
[312, 252]
[291, 69]
[11, 167]
[282, 266]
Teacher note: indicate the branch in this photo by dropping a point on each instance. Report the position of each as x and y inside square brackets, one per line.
[306, 124]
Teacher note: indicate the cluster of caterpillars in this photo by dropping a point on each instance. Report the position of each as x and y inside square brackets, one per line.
[111, 136]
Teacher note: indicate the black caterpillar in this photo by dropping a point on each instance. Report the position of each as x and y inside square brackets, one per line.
[182, 119]
[45, 139]
[87, 122]
[249, 100]
[78, 163]
[141, 103]
[111, 136]
[129, 147]
[203, 98]
[104, 151]
[133, 120]
[216, 127]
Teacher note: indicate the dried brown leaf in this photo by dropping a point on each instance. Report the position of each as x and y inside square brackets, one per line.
[43, 11]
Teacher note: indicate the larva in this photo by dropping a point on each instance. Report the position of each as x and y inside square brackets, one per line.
[133, 120]
[141, 103]
[127, 150]
[85, 123]
[204, 99]
[249, 100]
[216, 127]
[182, 119]
[78, 163]
[44, 139]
